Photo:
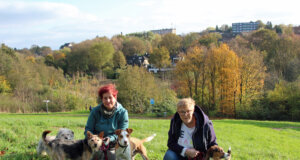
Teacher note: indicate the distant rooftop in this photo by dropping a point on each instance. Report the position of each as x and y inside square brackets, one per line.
[244, 27]
[164, 31]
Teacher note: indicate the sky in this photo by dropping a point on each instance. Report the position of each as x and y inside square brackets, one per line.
[52, 23]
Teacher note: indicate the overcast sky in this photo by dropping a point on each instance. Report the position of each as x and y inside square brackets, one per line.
[52, 23]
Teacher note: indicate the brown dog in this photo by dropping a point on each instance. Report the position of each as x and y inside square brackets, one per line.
[127, 147]
[216, 153]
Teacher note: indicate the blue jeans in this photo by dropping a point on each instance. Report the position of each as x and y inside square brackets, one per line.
[171, 155]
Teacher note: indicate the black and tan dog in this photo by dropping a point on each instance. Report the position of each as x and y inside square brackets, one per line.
[75, 149]
[216, 153]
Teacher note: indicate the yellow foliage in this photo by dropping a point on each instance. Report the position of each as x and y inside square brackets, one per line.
[31, 59]
[4, 85]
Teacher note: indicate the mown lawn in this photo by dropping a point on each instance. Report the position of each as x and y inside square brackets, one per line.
[249, 140]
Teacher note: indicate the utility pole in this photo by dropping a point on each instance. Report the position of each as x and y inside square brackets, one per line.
[46, 101]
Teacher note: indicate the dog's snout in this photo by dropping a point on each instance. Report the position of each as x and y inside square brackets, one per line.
[95, 145]
[125, 142]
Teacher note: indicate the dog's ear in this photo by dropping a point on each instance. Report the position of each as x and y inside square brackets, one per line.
[101, 134]
[229, 150]
[211, 151]
[89, 134]
[118, 131]
[129, 130]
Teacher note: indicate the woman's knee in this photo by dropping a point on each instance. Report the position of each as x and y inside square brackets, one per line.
[170, 155]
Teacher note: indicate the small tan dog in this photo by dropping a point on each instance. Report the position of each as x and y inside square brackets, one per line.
[216, 153]
[127, 147]
[74, 149]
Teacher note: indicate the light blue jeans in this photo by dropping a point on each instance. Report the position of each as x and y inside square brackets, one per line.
[171, 155]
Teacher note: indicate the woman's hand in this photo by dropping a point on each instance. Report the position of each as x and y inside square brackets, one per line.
[191, 153]
[106, 140]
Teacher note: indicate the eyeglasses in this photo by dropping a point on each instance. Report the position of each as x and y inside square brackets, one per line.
[185, 112]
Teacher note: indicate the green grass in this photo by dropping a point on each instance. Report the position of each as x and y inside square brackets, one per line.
[249, 140]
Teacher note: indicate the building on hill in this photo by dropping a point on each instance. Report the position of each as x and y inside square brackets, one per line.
[244, 27]
[138, 60]
[164, 31]
[68, 45]
[296, 30]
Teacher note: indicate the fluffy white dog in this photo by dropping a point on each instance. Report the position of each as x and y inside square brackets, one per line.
[63, 134]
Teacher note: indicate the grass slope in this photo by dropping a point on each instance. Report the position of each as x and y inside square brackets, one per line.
[249, 140]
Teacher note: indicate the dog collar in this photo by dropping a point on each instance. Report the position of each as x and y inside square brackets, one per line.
[122, 145]
[125, 147]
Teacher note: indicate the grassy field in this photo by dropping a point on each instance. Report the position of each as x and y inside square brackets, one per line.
[249, 140]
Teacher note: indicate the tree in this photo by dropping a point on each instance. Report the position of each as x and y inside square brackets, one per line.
[264, 40]
[49, 60]
[172, 42]
[284, 101]
[196, 58]
[156, 41]
[4, 85]
[35, 49]
[45, 50]
[132, 46]
[77, 60]
[160, 57]
[252, 73]
[189, 40]
[224, 79]
[284, 54]
[210, 39]
[260, 24]
[136, 87]
[119, 60]
[184, 79]
[117, 42]
[100, 54]
[269, 25]
[7, 50]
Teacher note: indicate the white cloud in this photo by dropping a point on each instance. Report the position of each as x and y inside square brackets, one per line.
[42, 23]
[48, 23]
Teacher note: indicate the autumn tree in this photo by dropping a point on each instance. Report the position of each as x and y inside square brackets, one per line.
[156, 41]
[132, 46]
[210, 39]
[160, 57]
[119, 60]
[184, 82]
[78, 58]
[189, 40]
[136, 87]
[264, 40]
[99, 55]
[196, 58]
[45, 50]
[117, 42]
[224, 79]
[172, 42]
[252, 73]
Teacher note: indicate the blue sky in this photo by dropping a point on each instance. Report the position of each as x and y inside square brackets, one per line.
[24, 23]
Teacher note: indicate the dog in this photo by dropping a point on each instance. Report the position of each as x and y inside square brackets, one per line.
[127, 147]
[74, 149]
[216, 153]
[63, 134]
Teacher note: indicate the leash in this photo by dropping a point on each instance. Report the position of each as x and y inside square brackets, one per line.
[125, 147]
[104, 148]
[200, 156]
